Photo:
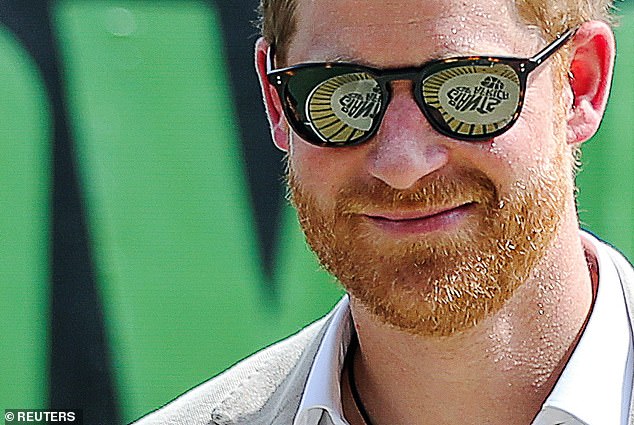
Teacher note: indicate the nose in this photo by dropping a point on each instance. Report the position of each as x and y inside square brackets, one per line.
[405, 148]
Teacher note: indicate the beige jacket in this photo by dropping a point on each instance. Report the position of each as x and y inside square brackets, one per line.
[266, 388]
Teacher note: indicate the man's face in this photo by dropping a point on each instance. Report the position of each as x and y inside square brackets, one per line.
[429, 233]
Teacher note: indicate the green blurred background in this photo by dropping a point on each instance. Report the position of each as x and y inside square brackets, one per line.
[146, 245]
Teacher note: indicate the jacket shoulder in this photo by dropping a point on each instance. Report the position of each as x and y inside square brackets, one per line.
[242, 390]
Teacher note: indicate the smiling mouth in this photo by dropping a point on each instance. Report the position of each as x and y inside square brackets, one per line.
[403, 223]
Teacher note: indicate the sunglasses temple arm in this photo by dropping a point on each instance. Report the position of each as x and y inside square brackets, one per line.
[270, 54]
[552, 48]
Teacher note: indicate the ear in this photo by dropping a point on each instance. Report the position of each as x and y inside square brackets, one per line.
[591, 65]
[279, 127]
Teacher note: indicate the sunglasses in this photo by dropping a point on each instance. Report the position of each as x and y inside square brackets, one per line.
[471, 98]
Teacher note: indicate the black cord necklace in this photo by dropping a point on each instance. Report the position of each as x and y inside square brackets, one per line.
[352, 349]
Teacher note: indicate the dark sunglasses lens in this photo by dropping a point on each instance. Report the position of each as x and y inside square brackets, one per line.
[472, 101]
[340, 108]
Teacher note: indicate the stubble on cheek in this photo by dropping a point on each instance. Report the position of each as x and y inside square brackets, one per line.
[440, 284]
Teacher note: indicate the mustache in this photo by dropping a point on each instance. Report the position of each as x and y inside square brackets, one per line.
[460, 186]
[433, 191]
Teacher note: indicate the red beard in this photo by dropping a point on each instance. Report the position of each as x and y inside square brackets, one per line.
[442, 282]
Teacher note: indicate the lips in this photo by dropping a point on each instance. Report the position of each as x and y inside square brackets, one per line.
[417, 222]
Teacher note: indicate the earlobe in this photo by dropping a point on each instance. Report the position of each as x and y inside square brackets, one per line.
[591, 66]
[277, 121]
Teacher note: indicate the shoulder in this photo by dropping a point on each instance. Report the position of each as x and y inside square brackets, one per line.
[246, 388]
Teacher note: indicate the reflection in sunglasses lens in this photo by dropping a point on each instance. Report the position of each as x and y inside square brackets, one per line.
[473, 100]
[343, 109]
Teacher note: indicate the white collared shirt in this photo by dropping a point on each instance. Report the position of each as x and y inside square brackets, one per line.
[593, 389]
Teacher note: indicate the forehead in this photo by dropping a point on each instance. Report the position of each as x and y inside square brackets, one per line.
[405, 32]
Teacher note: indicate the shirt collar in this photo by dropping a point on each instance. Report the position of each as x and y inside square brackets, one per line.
[323, 391]
[594, 387]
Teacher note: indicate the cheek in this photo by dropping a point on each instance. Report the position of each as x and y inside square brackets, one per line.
[531, 145]
[523, 152]
[540, 131]
[323, 172]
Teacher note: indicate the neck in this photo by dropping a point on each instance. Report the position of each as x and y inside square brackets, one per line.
[515, 355]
